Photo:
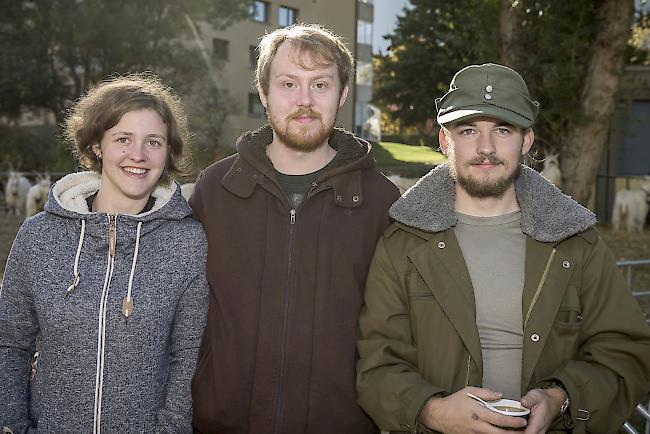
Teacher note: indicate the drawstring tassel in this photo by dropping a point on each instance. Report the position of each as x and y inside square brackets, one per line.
[77, 276]
[127, 306]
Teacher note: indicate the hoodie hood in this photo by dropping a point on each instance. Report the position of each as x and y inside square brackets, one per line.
[547, 214]
[68, 196]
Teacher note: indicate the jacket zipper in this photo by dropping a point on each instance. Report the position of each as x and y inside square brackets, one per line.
[101, 338]
[539, 287]
[285, 317]
[285, 324]
[312, 187]
[469, 360]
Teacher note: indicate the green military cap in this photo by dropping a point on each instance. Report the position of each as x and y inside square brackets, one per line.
[488, 90]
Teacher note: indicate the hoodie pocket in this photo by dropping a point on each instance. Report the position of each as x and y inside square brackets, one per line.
[204, 358]
[203, 388]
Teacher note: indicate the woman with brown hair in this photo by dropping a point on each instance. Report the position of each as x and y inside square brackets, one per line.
[110, 277]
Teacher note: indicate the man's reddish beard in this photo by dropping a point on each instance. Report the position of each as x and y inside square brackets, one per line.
[301, 140]
[481, 188]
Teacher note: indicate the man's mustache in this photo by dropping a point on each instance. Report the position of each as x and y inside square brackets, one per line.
[490, 159]
[304, 112]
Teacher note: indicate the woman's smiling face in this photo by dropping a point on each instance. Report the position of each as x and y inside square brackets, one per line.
[133, 154]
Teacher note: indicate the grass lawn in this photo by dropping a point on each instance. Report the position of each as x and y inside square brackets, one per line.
[406, 160]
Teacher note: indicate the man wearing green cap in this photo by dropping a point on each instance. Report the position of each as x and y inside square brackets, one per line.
[492, 282]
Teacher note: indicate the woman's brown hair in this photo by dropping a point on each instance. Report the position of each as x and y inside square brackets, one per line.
[102, 107]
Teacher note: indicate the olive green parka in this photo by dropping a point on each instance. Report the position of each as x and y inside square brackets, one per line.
[418, 334]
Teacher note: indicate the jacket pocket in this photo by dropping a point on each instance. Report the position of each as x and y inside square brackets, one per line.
[569, 314]
[421, 296]
[565, 332]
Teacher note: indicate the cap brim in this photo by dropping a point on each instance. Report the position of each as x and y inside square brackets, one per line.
[485, 110]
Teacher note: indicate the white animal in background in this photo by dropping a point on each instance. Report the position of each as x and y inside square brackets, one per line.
[37, 196]
[187, 189]
[631, 207]
[403, 183]
[551, 170]
[372, 126]
[16, 192]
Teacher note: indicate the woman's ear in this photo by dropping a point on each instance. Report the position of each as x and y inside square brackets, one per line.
[98, 151]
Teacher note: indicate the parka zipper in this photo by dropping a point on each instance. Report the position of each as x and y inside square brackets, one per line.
[101, 338]
[279, 405]
[539, 287]
[279, 399]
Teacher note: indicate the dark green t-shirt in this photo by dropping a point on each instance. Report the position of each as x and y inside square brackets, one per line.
[296, 187]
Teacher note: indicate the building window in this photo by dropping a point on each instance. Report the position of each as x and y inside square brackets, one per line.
[255, 107]
[364, 73]
[252, 56]
[364, 32]
[220, 48]
[287, 16]
[259, 11]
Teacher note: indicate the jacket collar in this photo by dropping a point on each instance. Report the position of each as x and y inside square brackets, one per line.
[547, 215]
[252, 167]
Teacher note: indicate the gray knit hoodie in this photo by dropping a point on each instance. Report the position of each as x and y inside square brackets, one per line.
[97, 369]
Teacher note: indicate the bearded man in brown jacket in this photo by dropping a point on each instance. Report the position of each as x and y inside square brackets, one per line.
[492, 282]
[292, 221]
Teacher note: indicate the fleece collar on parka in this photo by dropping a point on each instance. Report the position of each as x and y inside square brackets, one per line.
[547, 215]
[253, 166]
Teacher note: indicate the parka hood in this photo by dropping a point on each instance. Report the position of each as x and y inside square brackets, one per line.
[351, 151]
[547, 214]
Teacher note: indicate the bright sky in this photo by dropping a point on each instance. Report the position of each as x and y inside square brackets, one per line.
[386, 12]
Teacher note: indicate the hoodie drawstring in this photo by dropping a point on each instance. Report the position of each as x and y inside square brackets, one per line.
[127, 303]
[76, 276]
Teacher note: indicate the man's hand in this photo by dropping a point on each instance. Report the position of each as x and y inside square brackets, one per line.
[544, 405]
[458, 413]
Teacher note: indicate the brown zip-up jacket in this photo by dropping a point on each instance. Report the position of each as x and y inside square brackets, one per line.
[278, 353]
[581, 326]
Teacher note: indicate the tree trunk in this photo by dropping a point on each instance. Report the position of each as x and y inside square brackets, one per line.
[508, 32]
[586, 140]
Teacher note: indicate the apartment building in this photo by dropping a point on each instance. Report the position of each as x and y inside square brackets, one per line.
[233, 52]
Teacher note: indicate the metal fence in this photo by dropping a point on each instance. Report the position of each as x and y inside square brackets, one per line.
[629, 266]
[644, 412]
